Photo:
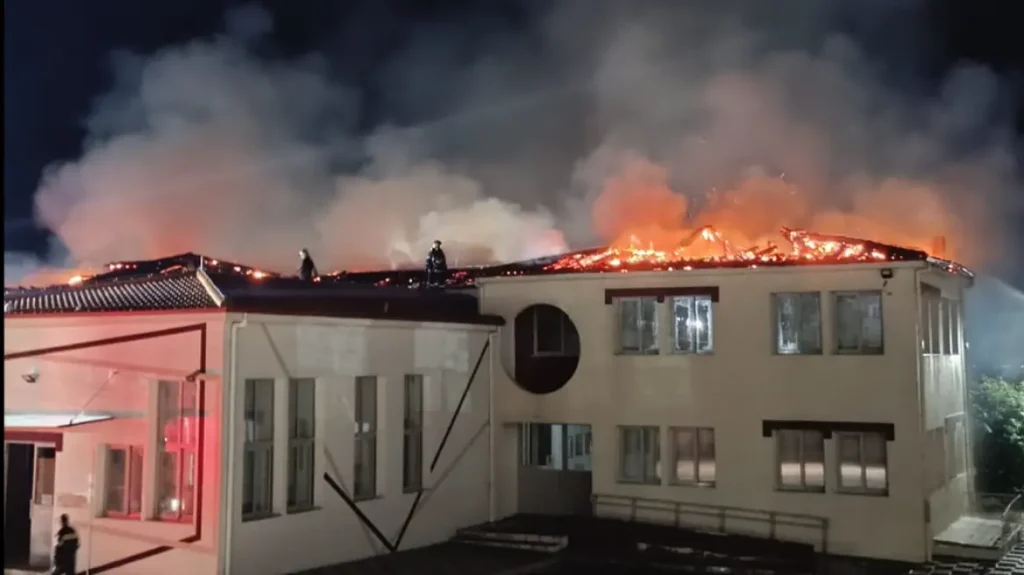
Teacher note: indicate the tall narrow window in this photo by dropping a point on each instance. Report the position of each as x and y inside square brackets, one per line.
[859, 322]
[801, 460]
[638, 325]
[693, 453]
[956, 438]
[178, 414]
[258, 464]
[366, 437]
[953, 308]
[553, 333]
[692, 324]
[412, 460]
[46, 459]
[862, 463]
[301, 443]
[123, 481]
[639, 455]
[798, 323]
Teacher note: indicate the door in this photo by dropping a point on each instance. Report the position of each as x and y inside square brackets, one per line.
[18, 504]
[41, 546]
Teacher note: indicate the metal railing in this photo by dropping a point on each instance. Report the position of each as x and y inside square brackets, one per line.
[721, 513]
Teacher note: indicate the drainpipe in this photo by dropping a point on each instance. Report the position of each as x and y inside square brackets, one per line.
[922, 411]
[228, 392]
[492, 506]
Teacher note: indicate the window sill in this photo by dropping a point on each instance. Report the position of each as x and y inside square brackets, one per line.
[365, 498]
[697, 484]
[812, 491]
[805, 354]
[303, 509]
[864, 492]
[637, 482]
[259, 517]
[624, 353]
[858, 353]
[413, 490]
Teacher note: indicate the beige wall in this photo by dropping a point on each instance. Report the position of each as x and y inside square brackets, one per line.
[738, 386]
[74, 381]
[335, 352]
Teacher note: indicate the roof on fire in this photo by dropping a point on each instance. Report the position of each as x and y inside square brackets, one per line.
[193, 282]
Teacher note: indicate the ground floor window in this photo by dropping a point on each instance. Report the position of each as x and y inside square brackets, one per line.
[258, 458]
[693, 453]
[123, 481]
[639, 455]
[800, 456]
[862, 462]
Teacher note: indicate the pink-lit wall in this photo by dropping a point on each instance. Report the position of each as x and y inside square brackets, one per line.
[120, 377]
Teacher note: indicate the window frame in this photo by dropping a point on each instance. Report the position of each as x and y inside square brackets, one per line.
[863, 488]
[620, 304]
[696, 434]
[695, 302]
[780, 485]
[127, 490]
[43, 479]
[186, 452]
[365, 440]
[261, 450]
[412, 463]
[655, 450]
[836, 319]
[777, 323]
[564, 338]
[301, 443]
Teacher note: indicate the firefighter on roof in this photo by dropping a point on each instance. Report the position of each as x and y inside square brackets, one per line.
[307, 269]
[437, 266]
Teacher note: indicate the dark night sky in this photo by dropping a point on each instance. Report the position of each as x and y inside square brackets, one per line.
[57, 53]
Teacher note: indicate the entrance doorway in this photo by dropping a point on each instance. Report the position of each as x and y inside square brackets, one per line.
[20, 459]
[554, 469]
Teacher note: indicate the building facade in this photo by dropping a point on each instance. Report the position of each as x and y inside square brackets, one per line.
[223, 437]
[822, 404]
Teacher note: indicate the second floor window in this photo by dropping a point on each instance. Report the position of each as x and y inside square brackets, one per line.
[640, 455]
[365, 484]
[692, 325]
[301, 443]
[859, 322]
[797, 323]
[258, 457]
[178, 423]
[638, 325]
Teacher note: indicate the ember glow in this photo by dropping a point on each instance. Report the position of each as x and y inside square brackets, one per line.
[708, 247]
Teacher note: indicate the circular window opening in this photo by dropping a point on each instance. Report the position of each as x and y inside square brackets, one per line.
[547, 349]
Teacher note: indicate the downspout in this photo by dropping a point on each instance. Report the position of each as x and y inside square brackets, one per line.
[492, 506]
[227, 492]
[921, 413]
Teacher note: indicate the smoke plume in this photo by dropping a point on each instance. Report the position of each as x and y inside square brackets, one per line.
[601, 120]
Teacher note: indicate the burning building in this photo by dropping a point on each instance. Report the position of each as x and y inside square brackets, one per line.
[787, 391]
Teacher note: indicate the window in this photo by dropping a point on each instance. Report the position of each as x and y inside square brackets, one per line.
[638, 325]
[258, 465]
[366, 438]
[177, 419]
[801, 460]
[640, 455]
[123, 481]
[692, 324]
[693, 451]
[301, 443]
[956, 438]
[953, 309]
[553, 333]
[412, 461]
[46, 458]
[859, 322]
[934, 309]
[797, 323]
[863, 466]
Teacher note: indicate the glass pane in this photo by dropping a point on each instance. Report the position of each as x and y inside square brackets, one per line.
[365, 466]
[702, 328]
[649, 324]
[629, 325]
[412, 464]
[814, 459]
[631, 454]
[167, 492]
[188, 481]
[548, 329]
[303, 409]
[789, 458]
[871, 308]
[706, 455]
[652, 455]
[686, 452]
[787, 326]
[45, 466]
[366, 404]
[848, 323]
[248, 474]
[264, 480]
[117, 473]
[682, 312]
[413, 401]
[875, 461]
[849, 461]
[810, 323]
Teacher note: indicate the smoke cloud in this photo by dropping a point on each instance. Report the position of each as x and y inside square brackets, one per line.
[601, 120]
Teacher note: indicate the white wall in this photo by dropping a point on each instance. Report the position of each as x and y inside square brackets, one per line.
[735, 388]
[84, 380]
[335, 352]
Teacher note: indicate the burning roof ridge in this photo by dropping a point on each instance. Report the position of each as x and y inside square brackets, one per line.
[98, 281]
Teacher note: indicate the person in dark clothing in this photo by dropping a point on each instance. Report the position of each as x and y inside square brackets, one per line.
[307, 270]
[66, 551]
[437, 266]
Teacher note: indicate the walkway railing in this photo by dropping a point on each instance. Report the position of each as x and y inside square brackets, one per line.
[725, 516]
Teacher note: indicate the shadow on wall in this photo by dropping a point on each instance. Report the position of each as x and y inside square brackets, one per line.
[547, 349]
